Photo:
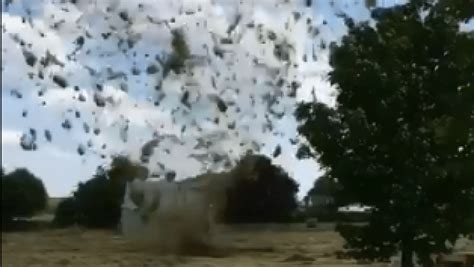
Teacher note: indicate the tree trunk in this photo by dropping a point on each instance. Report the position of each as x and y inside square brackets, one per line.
[407, 255]
[407, 258]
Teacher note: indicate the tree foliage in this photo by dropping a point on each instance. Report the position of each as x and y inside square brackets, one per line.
[65, 213]
[268, 196]
[324, 189]
[325, 186]
[97, 202]
[23, 195]
[401, 137]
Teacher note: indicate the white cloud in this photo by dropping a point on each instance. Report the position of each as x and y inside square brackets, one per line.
[10, 137]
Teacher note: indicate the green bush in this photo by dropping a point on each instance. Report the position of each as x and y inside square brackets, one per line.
[23, 195]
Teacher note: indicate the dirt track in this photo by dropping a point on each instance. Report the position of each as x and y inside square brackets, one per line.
[74, 247]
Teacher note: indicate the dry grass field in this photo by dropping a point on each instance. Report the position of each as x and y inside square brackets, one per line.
[243, 246]
[251, 246]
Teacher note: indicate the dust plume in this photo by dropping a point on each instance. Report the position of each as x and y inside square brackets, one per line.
[180, 217]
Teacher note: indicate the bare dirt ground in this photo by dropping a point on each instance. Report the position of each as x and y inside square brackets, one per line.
[248, 247]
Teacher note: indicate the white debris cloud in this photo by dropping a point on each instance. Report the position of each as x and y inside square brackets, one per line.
[92, 77]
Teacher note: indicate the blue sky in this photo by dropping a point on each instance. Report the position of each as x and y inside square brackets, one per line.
[131, 115]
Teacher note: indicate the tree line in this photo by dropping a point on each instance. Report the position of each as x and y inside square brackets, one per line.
[96, 203]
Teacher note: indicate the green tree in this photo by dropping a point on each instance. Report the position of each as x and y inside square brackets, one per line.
[401, 136]
[268, 196]
[325, 186]
[23, 195]
[322, 197]
[65, 213]
[97, 202]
